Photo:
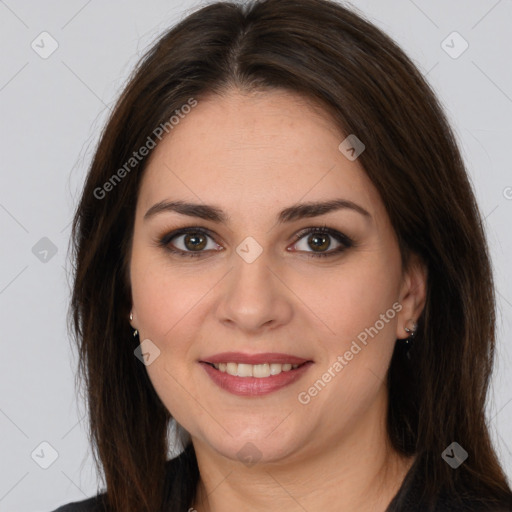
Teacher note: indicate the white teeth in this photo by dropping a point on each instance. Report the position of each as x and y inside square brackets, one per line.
[275, 368]
[244, 370]
[256, 370]
[261, 370]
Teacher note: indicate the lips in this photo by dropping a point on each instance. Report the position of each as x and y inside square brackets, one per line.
[254, 359]
[291, 369]
[254, 386]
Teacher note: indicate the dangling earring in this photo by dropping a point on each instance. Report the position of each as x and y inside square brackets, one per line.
[136, 331]
[410, 329]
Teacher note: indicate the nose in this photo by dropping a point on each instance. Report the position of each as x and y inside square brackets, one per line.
[254, 297]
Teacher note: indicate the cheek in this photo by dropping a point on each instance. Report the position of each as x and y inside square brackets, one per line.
[350, 298]
[358, 305]
[163, 295]
[164, 306]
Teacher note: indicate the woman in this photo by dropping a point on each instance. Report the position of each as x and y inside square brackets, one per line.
[278, 252]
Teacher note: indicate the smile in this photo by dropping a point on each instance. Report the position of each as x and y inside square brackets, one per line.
[254, 380]
[254, 370]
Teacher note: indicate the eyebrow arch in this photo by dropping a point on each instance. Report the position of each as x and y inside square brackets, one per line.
[290, 214]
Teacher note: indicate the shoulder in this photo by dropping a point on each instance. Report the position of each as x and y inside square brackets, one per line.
[94, 504]
[469, 502]
[410, 498]
[174, 469]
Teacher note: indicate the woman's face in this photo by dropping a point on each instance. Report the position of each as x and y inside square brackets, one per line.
[246, 284]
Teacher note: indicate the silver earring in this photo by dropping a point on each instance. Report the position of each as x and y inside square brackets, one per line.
[136, 331]
[410, 329]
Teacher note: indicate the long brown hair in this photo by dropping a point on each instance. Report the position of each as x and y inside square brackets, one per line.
[367, 85]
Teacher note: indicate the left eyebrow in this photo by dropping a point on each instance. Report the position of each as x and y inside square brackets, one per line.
[289, 214]
[314, 209]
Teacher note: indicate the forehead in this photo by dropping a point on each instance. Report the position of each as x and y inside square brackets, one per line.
[255, 150]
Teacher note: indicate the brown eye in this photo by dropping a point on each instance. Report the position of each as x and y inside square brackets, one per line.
[189, 242]
[194, 242]
[320, 240]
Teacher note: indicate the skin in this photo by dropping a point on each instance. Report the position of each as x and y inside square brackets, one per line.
[253, 155]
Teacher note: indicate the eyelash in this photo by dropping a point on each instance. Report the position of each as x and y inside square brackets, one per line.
[346, 242]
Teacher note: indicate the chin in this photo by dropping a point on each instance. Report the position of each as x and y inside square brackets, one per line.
[257, 447]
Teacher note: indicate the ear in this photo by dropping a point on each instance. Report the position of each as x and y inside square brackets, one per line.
[413, 293]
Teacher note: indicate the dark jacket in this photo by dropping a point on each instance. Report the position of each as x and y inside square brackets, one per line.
[407, 499]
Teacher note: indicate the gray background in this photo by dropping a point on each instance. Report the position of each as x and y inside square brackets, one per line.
[52, 110]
